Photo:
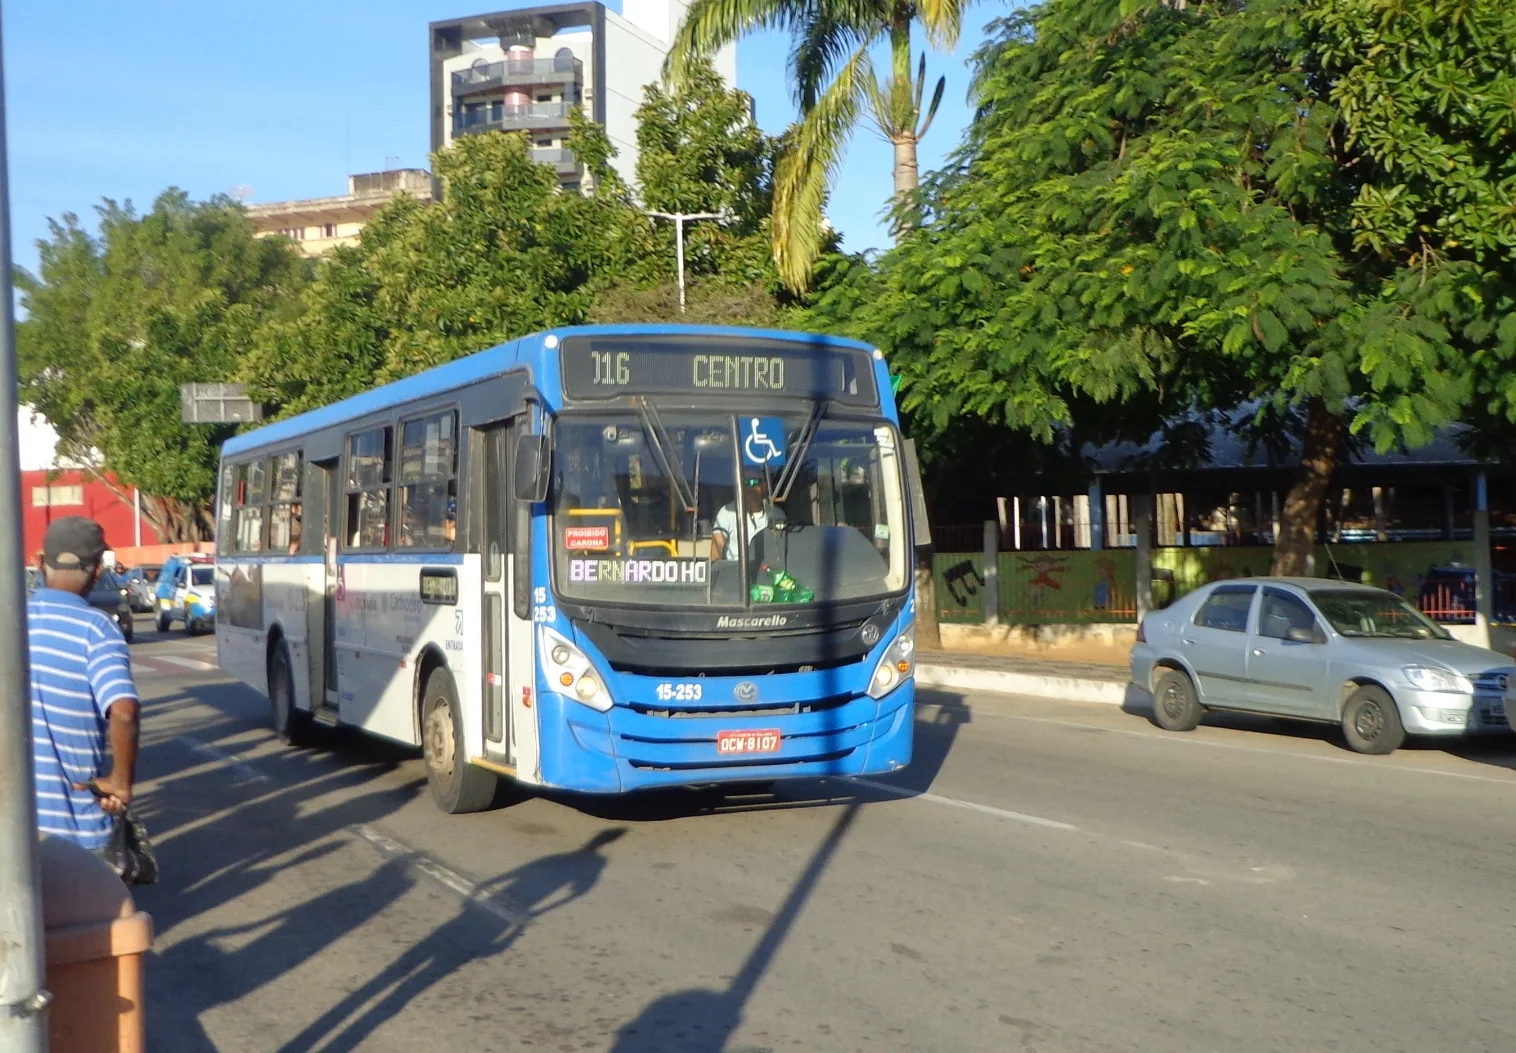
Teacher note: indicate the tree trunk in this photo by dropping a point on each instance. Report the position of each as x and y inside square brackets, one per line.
[906, 172]
[928, 635]
[1296, 542]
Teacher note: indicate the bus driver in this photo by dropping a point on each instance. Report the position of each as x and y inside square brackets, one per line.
[755, 506]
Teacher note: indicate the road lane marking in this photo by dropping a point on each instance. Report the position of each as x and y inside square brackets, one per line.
[1181, 740]
[187, 663]
[973, 806]
[451, 879]
[246, 772]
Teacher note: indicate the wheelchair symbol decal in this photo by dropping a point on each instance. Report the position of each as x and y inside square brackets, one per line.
[763, 441]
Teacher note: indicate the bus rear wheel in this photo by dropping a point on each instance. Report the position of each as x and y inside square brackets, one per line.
[457, 786]
[293, 726]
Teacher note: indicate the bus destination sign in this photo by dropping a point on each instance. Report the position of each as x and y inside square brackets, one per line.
[605, 367]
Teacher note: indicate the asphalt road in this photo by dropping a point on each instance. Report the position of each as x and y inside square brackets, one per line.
[1047, 877]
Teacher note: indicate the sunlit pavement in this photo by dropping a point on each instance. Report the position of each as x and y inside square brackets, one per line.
[1047, 877]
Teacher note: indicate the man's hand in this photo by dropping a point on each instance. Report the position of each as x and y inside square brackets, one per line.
[113, 791]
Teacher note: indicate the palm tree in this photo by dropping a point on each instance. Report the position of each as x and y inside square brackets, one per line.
[835, 86]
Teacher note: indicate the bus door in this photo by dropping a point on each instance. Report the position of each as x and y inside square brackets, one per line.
[323, 502]
[493, 504]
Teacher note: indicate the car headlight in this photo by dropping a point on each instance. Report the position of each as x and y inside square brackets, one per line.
[570, 672]
[896, 665]
[1431, 678]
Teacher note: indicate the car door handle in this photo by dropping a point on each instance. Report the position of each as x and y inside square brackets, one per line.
[1186, 640]
[1259, 651]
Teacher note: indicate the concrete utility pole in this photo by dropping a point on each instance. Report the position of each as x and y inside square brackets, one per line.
[679, 219]
[23, 998]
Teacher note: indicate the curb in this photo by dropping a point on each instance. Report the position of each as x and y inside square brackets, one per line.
[1063, 688]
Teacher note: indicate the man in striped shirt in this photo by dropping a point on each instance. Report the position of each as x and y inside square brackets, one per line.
[82, 692]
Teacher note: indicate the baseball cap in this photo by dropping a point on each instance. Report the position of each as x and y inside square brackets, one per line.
[72, 543]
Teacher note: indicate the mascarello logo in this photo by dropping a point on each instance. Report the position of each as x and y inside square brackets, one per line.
[767, 621]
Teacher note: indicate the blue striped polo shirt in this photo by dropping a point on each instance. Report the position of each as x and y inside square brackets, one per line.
[80, 666]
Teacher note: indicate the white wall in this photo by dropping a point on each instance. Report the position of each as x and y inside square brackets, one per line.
[662, 18]
[633, 60]
[39, 443]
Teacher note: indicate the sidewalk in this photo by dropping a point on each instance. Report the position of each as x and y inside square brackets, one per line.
[1038, 677]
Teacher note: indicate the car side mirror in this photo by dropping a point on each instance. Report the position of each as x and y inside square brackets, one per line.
[1299, 635]
[531, 468]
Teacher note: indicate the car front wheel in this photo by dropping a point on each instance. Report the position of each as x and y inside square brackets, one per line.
[1371, 722]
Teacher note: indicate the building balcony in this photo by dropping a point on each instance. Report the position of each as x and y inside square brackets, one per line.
[563, 161]
[499, 118]
[492, 75]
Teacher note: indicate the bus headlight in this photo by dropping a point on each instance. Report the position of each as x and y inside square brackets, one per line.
[571, 672]
[896, 665]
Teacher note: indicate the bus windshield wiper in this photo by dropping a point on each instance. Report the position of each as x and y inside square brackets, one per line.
[665, 451]
[792, 463]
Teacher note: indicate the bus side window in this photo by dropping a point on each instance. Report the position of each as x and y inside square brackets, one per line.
[429, 481]
[368, 486]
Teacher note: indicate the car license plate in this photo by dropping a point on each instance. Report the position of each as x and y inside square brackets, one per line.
[733, 742]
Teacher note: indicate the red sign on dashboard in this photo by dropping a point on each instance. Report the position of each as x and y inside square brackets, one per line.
[587, 539]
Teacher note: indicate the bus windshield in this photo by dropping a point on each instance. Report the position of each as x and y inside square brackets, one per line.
[696, 509]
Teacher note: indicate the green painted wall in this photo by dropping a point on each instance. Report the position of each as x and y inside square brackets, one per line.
[1062, 587]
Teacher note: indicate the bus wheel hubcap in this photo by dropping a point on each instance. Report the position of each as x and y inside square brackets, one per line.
[439, 740]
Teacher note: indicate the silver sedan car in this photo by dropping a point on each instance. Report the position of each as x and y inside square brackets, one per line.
[1323, 650]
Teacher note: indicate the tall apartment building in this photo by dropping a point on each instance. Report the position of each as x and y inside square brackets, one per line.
[525, 70]
[319, 224]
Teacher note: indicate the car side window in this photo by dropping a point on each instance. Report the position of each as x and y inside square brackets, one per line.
[1227, 608]
[1280, 612]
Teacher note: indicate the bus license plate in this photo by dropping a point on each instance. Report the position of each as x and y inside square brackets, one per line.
[731, 742]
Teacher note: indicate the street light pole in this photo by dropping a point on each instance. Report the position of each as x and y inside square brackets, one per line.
[679, 219]
[23, 998]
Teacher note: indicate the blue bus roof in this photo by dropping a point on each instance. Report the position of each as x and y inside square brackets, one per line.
[528, 351]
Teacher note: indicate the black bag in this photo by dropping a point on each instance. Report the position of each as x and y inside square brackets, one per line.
[130, 853]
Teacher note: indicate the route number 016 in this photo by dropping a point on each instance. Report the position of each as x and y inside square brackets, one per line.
[612, 367]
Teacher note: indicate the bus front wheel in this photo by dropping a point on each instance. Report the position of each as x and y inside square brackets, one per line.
[457, 786]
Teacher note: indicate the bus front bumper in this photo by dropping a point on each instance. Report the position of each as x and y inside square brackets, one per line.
[623, 750]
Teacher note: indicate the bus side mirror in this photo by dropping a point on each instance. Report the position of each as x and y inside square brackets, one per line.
[531, 468]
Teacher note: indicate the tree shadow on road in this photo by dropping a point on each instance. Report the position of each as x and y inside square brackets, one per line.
[488, 924]
[703, 1020]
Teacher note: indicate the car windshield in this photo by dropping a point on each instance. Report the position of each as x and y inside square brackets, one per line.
[1362, 613]
[202, 575]
[711, 510]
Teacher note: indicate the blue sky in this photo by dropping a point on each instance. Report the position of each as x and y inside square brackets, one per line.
[117, 99]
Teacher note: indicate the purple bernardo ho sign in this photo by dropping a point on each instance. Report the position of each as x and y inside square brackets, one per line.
[639, 571]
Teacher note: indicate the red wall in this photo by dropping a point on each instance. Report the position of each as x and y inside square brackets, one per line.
[100, 503]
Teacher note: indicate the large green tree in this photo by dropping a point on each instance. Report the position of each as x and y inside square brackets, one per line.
[836, 86]
[116, 321]
[698, 150]
[504, 252]
[1303, 205]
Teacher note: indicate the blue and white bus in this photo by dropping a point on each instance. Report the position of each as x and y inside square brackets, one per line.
[598, 558]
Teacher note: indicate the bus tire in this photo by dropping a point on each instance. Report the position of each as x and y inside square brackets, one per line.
[293, 726]
[457, 786]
